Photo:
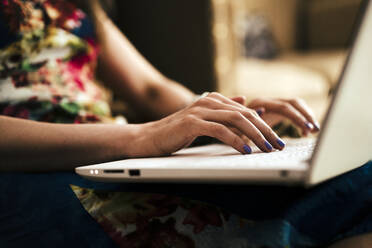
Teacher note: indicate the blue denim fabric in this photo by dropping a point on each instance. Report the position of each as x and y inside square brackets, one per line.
[40, 210]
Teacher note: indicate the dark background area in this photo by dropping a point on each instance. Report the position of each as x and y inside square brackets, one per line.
[327, 27]
[175, 36]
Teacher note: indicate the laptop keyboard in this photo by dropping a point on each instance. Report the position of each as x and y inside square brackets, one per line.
[295, 150]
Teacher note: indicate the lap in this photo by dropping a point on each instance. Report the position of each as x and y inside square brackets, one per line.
[43, 208]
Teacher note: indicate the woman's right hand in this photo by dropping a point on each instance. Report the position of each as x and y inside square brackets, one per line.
[215, 116]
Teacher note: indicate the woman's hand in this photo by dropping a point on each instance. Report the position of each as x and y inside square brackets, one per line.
[215, 116]
[273, 111]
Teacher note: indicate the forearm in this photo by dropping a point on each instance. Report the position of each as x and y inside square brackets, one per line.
[33, 146]
[132, 76]
[166, 98]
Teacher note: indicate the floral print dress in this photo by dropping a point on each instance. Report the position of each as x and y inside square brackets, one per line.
[47, 73]
[48, 55]
[47, 63]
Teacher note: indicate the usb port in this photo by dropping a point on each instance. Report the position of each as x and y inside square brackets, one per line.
[134, 173]
[113, 171]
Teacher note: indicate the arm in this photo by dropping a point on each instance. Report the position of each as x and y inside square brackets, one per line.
[151, 92]
[132, 76]
[34, 146]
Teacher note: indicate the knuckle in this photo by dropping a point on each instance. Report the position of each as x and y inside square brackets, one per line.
[285, 106]
[218, 130]
[201, 102]
[259, 141]
[212, 94]
[195, 110]
[272, 132]
[236, 116]
[189, 120]
[236, 141]
[257, 136]
[251, 114]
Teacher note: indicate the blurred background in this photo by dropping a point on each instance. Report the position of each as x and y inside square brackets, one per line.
[274, 48]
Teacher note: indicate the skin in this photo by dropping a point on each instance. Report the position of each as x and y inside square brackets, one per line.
[133, 77]
[33, 146]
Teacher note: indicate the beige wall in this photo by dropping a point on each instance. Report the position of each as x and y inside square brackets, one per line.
[329, 25]
[282, 16]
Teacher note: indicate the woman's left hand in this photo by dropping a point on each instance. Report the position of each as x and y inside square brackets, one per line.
[274, 110]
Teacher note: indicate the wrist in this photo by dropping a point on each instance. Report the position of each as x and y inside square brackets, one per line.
[134, 140]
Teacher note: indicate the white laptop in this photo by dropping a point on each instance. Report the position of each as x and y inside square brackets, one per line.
[344, 143]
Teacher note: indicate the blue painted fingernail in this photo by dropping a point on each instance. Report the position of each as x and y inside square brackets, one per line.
[268, 146]
[280, 143]
[317, 126]
[259, 112]
[247, 149]
[309, 125]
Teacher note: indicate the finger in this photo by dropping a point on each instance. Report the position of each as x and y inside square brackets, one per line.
[302, 107]
[240, 99]
[224, 134]
[258, 122]
[267, 131]
[224, 99]
[287, 110]
[260, 111]
[245, 139]
[239, 121]
[236, 131]
[189, 143]
[252, 117]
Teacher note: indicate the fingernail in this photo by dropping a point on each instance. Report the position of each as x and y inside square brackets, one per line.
[268, 146]
[309, 125]
[317, 126]
[247, 149]
[259, 112]
[280, 142]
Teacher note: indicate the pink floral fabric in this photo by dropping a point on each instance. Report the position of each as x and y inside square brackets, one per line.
[47, 63]
[135, 220]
